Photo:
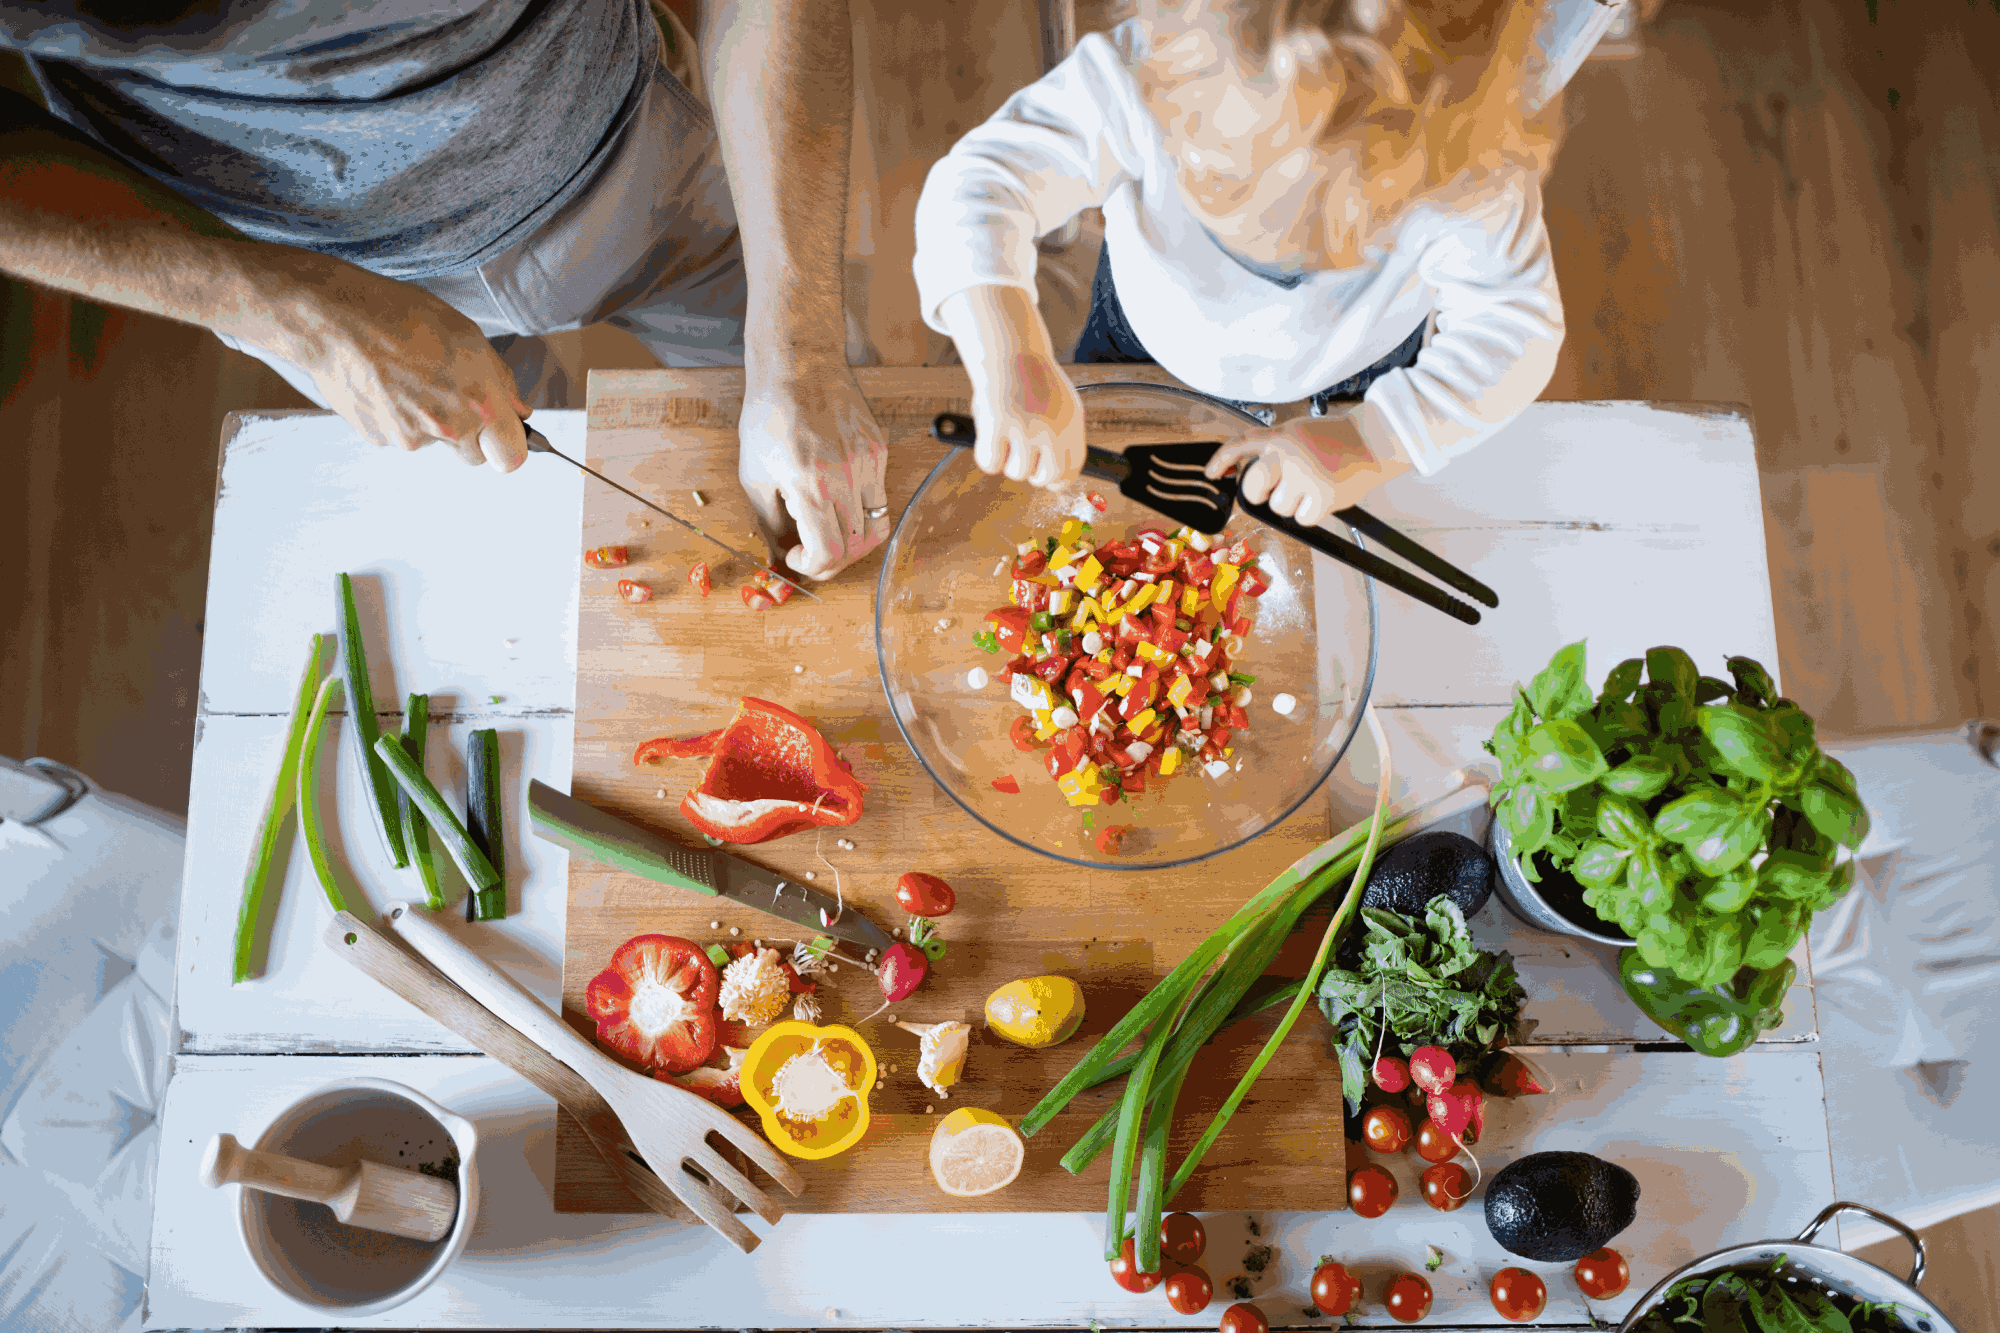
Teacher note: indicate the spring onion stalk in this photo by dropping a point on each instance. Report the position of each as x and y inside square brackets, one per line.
[482, 822]
[416, 833]
[283, 788]
[1153, 1166]
[361, 708]
[308, 781]
[1326, 942]
[1125, 1145]
[1252, 1004]
[472, 862]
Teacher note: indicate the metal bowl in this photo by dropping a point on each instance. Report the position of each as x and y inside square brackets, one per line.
[1313, 637]
[1525, 901]
[1853, 1277]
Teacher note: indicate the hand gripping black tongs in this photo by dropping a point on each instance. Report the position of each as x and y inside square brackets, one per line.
[1169, 479]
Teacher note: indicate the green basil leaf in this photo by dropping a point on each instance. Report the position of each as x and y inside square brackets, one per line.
[1646, 875]
[1708, 688]
[1642, 777]
[1624, 679]
[1753, 683]
[1673, 669]
[1579, 808]
[1701, 813]
[1622, 821]
[1788, 880]
[1731, 891]
[1559, 691]
[1743, 740]
[1599, 864]
[1563, 755]
[1620, 721]
[1534, 818]
[1793, 729]
[1835, 775]
[1676, 715]
[1778, 928]
[1729, 847]
[1721, 951]
[1837, 816]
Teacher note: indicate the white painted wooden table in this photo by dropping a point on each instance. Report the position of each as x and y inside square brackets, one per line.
[1635, 525]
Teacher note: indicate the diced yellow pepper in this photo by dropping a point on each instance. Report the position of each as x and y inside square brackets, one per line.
[1044, 718]
[1059, 602]
[1104, 657]
[1071, 530]
[1061, 556]
[1091, 575]
[1154, 653]
[1141, 722]
[1044, 733]
[1079, 786]
[1225, 582]
[1166, 594]
[1142, 598]
[1119, 685]
[1170, 761]
[1180, 690]
[1228, 750]
[1190, 601]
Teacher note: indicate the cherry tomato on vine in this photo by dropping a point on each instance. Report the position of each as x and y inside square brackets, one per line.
[1334, 1291]
[1408, 1298]
[1371, 1191]
[1125, 1270]
[1447, 1186]
[1189, 1291]
[1602, 1274]
[1183, 1238]
[1433, 1144]
[1386, 1129]
[1518, 1294]
[1244, 1317]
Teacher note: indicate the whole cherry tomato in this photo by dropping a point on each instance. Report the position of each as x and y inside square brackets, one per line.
[1602, 1274]
[1371, 1191]
[1111, 838]
[1386, 1129]
[1433, 1144]
[1447, 1186]
[1334, 1291]
[1244, 1317]
[1408, 1298]
[924, 895]
[1125, 1270]
[1189, 1291]
[1183, 1238]
[1518, 1294]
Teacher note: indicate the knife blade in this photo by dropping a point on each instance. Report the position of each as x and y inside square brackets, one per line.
[604, 837]
[538, 443]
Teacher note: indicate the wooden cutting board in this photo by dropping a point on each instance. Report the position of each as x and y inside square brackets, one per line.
[676, 666]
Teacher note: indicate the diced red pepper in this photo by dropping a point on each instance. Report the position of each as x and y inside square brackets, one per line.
[1168, 639]
[655, 1002]
[606, 557]
[634, 592]
[1095, 669]
[770, 773]
[1240, 626]
[1097, 502]
[1238, 552]
[1238, 719]
[1010, 627]
[1107, 795]
[781, 591]
[1092, 700]
[1008, 784]
[1197, 568]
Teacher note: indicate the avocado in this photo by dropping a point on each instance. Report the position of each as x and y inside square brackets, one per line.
[1417, 870]
[1556, 1207]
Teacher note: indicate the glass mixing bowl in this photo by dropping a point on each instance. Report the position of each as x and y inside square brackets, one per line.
[1312, 637]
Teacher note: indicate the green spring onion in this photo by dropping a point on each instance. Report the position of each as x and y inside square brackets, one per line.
[416, 833]
[472, 862]
[361, 708]
[482, 823]
[308, 781]
[283, 789]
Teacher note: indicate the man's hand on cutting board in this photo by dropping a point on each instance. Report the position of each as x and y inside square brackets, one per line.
[812, 462]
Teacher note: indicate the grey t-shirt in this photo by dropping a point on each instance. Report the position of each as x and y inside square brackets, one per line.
[412, 137]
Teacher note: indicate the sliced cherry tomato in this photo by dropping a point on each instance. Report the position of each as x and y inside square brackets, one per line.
[757, 599]
[698, 577]
[1602, 1274]
[1021, 731]
[1125, 1270]
[924, 895]
[1518, 1294]
[1183, 1238]
[1111, 838]
[1433, 1144]
[606, 557]
[1408, 1298]
[1447, 1186]
[1371, 1191]
[1108, 796]
[1010, 627]
[781, 591]
[1097, 502]
[1386, 1129]
[633, 591]
[1133, 782]
[1334, 1290]
[1052, 669]
[1244, 1317]
[1189, 1291]
[1009, 784]
[1031, 564]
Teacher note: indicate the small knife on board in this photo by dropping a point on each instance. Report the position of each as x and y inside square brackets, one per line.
[606, 838]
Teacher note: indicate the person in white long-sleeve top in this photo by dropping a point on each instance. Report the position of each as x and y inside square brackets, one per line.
[1334, 200]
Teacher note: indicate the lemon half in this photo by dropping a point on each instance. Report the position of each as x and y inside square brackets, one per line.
[975, 1152]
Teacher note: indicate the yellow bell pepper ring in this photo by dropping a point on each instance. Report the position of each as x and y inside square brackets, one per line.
[809, 1086]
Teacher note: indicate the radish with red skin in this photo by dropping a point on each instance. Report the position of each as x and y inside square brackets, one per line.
[1391, 1074]
[1459, 1108]
[1505, 1074]
[900, 972]
[1432, 1069]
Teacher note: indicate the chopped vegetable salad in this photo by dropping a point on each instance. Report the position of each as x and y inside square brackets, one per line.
[1123, 654]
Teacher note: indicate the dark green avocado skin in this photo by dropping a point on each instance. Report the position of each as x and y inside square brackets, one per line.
[1417, 870]
[1556, 1207]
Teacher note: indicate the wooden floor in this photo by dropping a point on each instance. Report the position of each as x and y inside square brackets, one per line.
[1789, 205]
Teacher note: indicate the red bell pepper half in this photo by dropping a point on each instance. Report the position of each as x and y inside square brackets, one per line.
[770, 773]
[655, 1003]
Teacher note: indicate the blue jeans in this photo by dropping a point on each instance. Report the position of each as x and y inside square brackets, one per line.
[1109, 339]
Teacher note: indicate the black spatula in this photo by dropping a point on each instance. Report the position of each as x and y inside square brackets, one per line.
[1169, 479]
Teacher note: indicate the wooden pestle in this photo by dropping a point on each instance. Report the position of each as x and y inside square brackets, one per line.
[367, 1194]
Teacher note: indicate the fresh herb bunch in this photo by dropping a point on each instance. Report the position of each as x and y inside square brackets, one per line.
[1774, 1300]
[1436, 987]
[1700, 816]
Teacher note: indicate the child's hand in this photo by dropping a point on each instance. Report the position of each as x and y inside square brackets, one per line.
[1306, 469]
[1027, 416]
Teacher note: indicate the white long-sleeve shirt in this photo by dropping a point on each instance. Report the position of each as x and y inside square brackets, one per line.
[1082, 137]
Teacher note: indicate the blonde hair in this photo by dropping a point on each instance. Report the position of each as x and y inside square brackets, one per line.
[1365, 106]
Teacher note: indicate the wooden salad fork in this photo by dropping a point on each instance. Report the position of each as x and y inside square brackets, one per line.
[669, 1126]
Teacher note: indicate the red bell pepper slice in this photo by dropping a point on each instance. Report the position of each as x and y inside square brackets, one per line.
[669, 747]
[1238, 552]
[1098, 502]
[1010, 627]
[1092, 700]
[1168, 639]
[770, 773]
[1135, 781]
[1254, 583]
[655, 1003]
[1008, 784]
[1018, 666]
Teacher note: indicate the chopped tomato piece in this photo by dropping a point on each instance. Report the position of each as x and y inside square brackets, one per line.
[1092, 700]
[1254, 582]
[1008, 784]
[607, 557]
[633, 591]
[1010, 627]
[1133, 781]
[781, 591]
[1031, 564]
[1018, 666]
[757, 599]
[1097, 502]
[1022, 733]
[698, 577]
[1111, 838]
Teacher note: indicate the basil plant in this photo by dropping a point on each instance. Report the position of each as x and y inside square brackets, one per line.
[1700, 816]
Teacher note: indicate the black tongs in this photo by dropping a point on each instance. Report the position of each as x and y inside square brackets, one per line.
[1169, 479]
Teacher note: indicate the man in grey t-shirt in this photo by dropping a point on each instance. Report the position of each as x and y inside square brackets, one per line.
[390, 200]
